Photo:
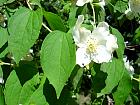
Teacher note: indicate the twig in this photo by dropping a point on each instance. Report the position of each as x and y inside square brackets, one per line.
[138, 80]
[46, 27]
[3, 63]
[27, 1]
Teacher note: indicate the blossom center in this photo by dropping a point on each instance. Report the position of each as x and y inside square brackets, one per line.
[91, 45]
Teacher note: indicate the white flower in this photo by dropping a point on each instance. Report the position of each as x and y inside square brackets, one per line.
[1, 81]
[96, 46]
[128, 66]
[82, 2]
[102, 3]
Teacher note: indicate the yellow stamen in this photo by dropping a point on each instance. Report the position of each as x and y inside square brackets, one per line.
[91, 45]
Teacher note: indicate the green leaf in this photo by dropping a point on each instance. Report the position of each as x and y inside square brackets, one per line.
[12, 89]
[1, 73]
[114, 70]
[72, 15]
[123, 90]
[58, 58]
[10, 1]
[137, 36]
[23, 31]
[98, 78]
[21, 84]
[76, 76]
[3, 36]
[2, 102]
[37, 98]
[27, 90]
[2, 1]
[121, 6]
[54, 21]
[120, 42]
[3, 52]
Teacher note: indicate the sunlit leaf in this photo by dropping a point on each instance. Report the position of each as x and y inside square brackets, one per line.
[114, 70]
[24, 28]
[123, 89]
[58, 58]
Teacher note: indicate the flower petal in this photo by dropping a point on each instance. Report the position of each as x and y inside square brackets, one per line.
[102, 55]
[111, 43]
[99, 36]
[1, 80]
[82, 2]
[101, 31]
[80, 34]
[103, 25]
[79, 21]
[82, 58]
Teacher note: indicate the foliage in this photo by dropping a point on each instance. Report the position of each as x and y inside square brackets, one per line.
[38, 54]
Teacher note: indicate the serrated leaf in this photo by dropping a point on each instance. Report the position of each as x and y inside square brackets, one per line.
[114, 70]
[24, 28]
[54, 21]
[120, 41]
[123, 89]
[58, 58]
[3, 36]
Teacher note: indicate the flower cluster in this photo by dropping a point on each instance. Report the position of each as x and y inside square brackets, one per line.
[96, 46]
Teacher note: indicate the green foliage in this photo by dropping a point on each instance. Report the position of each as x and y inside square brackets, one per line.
[37, 98]
[58, 58]
[2, 101]
[54, 21]
[136, 38]
[121, 6]
[23, 31]
[3, 36]
[120, 41]
[114, 74]
[21, 84]
[123, 89]
[38, 61]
